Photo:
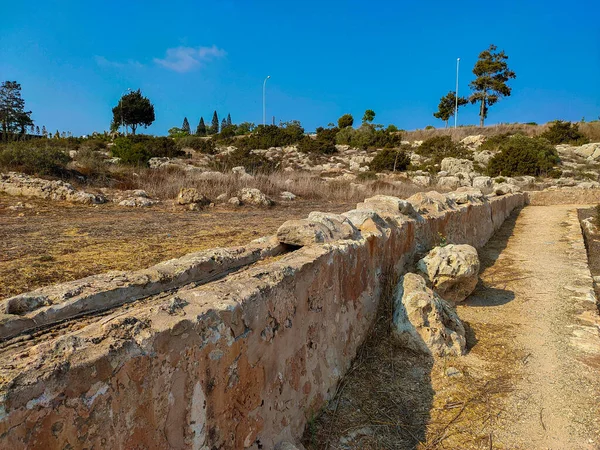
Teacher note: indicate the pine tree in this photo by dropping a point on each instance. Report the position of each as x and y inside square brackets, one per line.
[44, 131]
[447, 106]
[201, 128]
[228, 120]
[57, 135]
[186, 126]
[214, 128]
[492, 73]
[223, 123]
[37, 130]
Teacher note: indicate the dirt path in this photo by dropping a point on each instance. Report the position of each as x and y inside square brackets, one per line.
[539, 290]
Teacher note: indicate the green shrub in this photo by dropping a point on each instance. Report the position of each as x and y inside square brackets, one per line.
[430, 127]
[494, 142]
[368, 175]
[268, 136]
[91, 163]
[138, 149]
[34, 159]
[252, 162]
[521, 155]
[440, 147]
[345, 121]
[368, 137]
[390, 160]
[564, 133]
[202, 145]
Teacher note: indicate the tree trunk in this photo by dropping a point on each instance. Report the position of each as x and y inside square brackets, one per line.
[447, 123]
[133, 127]
[482, 112]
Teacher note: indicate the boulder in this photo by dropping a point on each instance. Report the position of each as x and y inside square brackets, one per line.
[367, 221]
[187, 196]
[473, 141]
[455, 165]
[505, 188]
[482, 182]
[300, 233]
[430, 202]
[421, 180]
[452, 271]
[588, 185]
[234, 201]
[483, 157]
[424, 322]
[239, 170]
[449, 182]
[286, 195]
[464, 195]
[222, 197]
[252, 196]
[340, 226]
[388, 205]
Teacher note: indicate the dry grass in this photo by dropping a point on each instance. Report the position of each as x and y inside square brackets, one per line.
[166, 183]
[590, 129]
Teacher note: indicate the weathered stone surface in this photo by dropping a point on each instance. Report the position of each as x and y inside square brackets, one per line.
[450, 182]
[251, 196]
[430, 202]
[303, 232]
[424, 322]
[505, 188]
[136, 198]
[387, 205]
[288, 196]
[366, 220]
[187, 196]
[421, 180]
[452, 271]
[14, 183]
[465, 195]
[473, 141]
[234, 201]
[482, 182]
[483, 157]
[454, 166]
[340, 226]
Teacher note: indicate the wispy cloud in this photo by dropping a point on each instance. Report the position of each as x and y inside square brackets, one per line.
[184, 59]
[103, 62]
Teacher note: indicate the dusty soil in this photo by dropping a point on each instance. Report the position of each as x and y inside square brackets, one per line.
[55, 242]
[530, 379]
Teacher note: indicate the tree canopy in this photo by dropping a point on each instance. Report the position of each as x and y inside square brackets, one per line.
[185, 127]
[345, 121]
[492, 74]
[369, 116]
[13, 116]
[214, 127]
[201, 128]
[133, 110]
[447, 106]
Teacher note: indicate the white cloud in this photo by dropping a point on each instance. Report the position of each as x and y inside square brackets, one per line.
[103, 62]
[184, 59]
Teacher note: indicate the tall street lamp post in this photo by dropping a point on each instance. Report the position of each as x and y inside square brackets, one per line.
[264, 100]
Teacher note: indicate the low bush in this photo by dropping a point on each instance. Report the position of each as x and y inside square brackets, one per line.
[521, 155]
[252, 162]
[390, 160]
[197, 143]
[323, 143]
[366, 176]
[564, 133]
[494, 142]
[138, 149]
[34, 159]
[91, 164]
[268, 136]
[367, 137]
[440, 147]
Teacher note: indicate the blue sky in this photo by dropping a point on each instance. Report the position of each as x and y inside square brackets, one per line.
[74, 59]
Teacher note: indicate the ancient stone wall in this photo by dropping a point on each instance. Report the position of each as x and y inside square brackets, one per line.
[239, 362]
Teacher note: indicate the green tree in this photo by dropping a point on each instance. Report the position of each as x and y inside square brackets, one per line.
[369, 116]
[223, 123]
[13, 116]
[186, 126]
[229, 120]
[201, 128]
[447, 106]
[214, 127]
[345, 121]
[57, 135]
[37, 130]
[245, 128]
[134, 110]
[492, 74]
[44, 131]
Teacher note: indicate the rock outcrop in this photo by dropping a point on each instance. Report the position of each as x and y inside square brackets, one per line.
[452, 271]
[14, 183]
[252, 196]
[424, 322]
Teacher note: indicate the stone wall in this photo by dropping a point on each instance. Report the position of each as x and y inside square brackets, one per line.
[564, 196]
[240, 362]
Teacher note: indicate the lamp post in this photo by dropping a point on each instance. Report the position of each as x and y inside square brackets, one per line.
[264, 100]
[121, 108]
[456, 95]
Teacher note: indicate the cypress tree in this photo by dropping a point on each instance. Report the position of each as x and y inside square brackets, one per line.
[214, 128]
[186, 126]
[223, 123]
[228, 120]
[201, 128]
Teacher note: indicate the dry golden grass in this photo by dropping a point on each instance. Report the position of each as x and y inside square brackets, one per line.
[590, 129]
[166, 183]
